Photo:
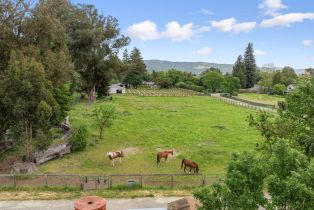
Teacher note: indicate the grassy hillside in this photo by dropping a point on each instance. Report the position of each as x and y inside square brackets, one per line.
[196, 127]
[194, 67]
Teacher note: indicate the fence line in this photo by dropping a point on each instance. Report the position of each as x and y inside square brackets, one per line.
[243, 104]
[93, 182]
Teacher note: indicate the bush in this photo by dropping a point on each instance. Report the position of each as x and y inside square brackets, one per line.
[279, 89]
[190, 86]
[79, 139]
[42, 140]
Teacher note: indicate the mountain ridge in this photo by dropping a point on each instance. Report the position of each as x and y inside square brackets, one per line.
[193, 67]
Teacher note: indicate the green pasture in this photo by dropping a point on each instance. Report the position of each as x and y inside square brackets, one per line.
[196, 127]
[261, 98]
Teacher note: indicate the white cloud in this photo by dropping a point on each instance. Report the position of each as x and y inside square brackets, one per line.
[271, 7]
[287, 19]
[259, 52]
[175, 32]
[310, 58]
[206, 11]
[244, 27]
[230, 24]
[203, 29]
[225, 25]
[203, 51]
[146, 30]
[308, 42]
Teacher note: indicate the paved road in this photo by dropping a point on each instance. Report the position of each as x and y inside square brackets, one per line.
[112, 204]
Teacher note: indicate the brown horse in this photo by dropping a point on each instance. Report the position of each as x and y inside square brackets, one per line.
[191, 164]
[163, 154]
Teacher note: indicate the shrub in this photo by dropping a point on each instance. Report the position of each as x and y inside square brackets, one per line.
[42, 140]
[279, 89]
[79, 139]
[104, 116]
[190, 86]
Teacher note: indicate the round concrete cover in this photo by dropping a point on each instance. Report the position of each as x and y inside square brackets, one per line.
[90, 203]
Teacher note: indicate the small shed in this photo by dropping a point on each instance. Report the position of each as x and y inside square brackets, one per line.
[290, 88]
[117, 88]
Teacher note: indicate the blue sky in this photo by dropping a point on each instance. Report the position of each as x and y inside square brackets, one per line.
[282, 31]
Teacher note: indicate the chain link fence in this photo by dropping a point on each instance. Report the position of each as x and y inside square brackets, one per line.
[107, 182]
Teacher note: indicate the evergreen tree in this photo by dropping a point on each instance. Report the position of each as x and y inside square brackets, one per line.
[28, 99]
[137, 69]
[125, 56]
[250, 66]
[95, 42]
[239, 71]
[137, 61]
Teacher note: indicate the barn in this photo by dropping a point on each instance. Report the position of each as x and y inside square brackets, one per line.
[117, 88]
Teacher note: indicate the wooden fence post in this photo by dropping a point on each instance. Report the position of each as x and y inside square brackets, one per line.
[46, 180]
[14, 180]
[172, 181]
[109, 182]
[81, 182]
[203, 181]
[141, 180]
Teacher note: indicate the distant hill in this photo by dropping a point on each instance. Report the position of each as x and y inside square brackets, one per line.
[194, 67]
[197, 67]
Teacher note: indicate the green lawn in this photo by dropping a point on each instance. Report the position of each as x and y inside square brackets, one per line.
[198, 128]
[261, 98]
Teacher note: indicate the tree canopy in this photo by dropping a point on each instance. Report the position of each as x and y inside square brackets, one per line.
[49, 50]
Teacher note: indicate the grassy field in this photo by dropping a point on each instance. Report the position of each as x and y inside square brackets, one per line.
[261, 98]
[196, 127]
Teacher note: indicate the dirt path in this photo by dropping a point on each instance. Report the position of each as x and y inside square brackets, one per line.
[113, 204]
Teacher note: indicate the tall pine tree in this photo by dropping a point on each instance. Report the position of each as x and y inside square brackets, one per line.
[250, 66]
[137, 71]
[239, 71]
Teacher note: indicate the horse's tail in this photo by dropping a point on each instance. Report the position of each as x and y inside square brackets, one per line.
[158, 159]
[182, 163]
[196, 168]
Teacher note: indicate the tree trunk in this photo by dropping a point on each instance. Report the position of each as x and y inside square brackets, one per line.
[100, 133]
[28, 130]
[92, 95]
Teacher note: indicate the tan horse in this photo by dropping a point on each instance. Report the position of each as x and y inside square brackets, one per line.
[191, 164]
[163, 154]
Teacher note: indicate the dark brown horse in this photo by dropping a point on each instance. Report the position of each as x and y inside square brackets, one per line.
[163, 154]
[191, 164]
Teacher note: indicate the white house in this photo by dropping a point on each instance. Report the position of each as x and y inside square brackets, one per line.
[290, 88]
[117, 88]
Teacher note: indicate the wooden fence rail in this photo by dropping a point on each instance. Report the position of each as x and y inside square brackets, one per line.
[93, 182]
[244, 104]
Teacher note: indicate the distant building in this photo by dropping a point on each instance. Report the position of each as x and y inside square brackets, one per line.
[117, 88]
[309, 72]
[150, 84]
[290, 88]
[269, 67]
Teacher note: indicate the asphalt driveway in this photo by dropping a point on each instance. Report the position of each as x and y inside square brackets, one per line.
[112, 204]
